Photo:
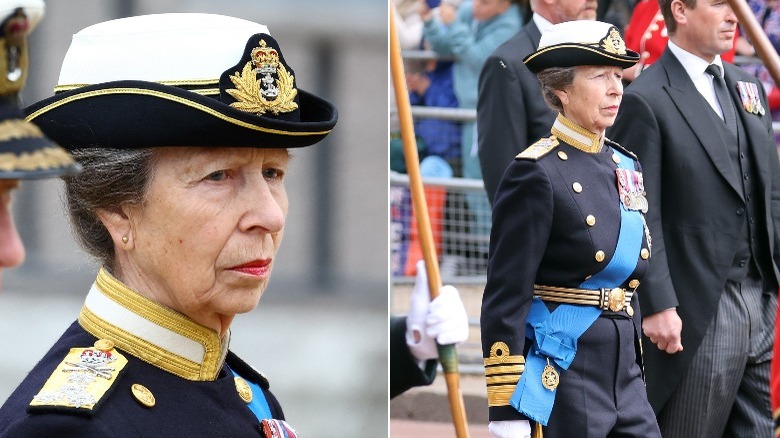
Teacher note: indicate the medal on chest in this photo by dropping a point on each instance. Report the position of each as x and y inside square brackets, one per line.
[631, 189]
[751, 99]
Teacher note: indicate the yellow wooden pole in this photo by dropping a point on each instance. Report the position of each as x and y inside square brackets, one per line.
[447, 353]
[755, 33]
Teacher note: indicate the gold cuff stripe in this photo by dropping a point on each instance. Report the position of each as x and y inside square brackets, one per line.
[499, 395]
[138, 347]
[504, 360]
[505, 369]
[503, 379]
[166, 318]
[177, 99]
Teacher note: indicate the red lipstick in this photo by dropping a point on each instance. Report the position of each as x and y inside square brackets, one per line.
[256, 268]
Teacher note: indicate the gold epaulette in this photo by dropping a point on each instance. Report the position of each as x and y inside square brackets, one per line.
[539, 149]
[82, 378]
[502, 372]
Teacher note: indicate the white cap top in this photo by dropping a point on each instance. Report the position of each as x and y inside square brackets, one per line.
[157, 48]
[586, 32]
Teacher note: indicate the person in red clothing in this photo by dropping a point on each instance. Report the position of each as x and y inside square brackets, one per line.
[646, 35]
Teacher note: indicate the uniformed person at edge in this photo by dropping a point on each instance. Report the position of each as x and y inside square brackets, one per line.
[25, 153]
[568, 248]
[182, 123]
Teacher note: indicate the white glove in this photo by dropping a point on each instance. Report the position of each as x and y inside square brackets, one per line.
[510, 429]
[444, 319]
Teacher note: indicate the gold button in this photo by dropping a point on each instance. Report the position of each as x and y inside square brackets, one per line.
[104, 344]
[244, 391]
[577, 187]
[143, 395]
[599, 256]
[562, 155]
[616, 158]
[633, 284]
[645, 254]
[590, 220]
[630, 310]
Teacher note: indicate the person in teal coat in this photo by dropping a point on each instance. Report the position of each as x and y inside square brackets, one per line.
[469, 34]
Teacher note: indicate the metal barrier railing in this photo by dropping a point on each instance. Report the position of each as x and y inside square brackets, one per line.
[460, 221]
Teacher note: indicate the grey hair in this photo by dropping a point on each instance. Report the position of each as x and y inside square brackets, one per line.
[110, 179]
[555, 79]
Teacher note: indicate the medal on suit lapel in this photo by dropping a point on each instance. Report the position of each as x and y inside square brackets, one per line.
[751, 98]
[744, 96]
[759, 107]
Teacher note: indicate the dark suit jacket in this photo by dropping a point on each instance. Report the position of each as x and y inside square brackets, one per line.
[404, 371]
[695, 201]
[511, 114]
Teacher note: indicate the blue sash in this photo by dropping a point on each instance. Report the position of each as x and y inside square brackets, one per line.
[258, 405]
[555, 334]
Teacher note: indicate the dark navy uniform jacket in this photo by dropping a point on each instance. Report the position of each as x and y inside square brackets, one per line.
[201, 405]
[556, 221]
[405, 371]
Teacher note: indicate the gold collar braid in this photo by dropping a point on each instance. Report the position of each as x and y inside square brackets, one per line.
[577, 136]
[151, 332]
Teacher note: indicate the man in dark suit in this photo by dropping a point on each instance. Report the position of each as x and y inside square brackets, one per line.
[511, 114]
[712, 178]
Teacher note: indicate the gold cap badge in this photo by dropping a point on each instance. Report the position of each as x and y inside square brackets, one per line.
[257, 91]
[613, 43]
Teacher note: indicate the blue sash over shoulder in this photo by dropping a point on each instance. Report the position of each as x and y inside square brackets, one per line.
[554, 335]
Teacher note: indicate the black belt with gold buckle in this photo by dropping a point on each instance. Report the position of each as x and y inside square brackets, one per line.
[614, 299]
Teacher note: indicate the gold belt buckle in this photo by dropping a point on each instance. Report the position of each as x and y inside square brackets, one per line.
[617, 299]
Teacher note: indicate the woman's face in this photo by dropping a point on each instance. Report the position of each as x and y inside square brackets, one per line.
[593, 99]
[204, 240]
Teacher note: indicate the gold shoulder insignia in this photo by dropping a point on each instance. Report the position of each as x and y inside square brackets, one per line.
[502, 372]
[82, 378]
[539, 149]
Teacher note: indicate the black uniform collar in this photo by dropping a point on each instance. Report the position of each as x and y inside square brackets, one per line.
[151, 332]
[577, 136]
